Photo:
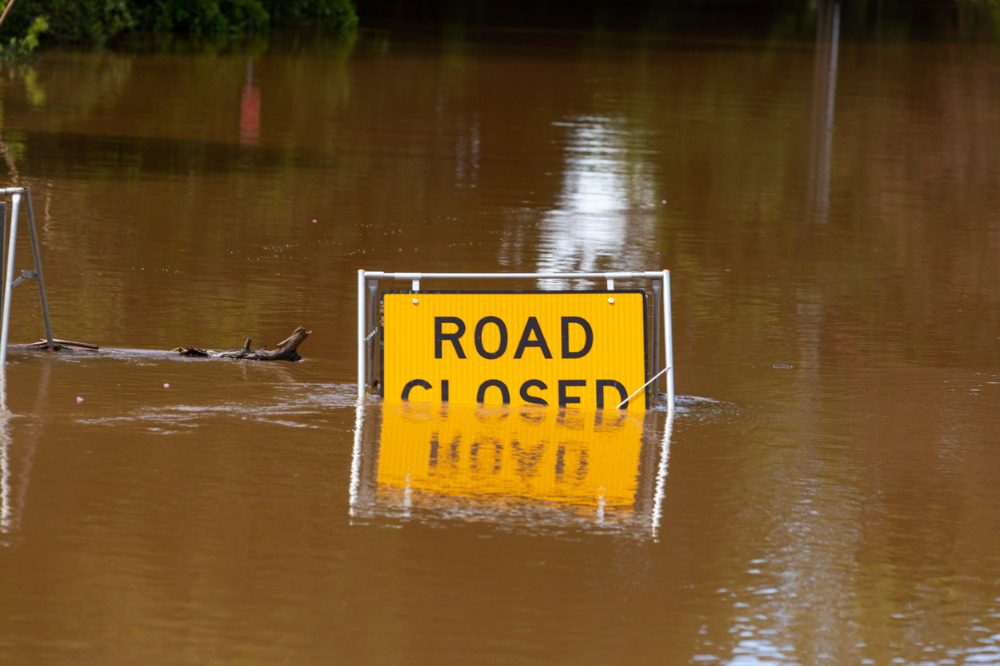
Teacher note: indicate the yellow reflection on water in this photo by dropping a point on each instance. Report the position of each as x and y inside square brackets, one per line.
[525, 466]
[544, 455]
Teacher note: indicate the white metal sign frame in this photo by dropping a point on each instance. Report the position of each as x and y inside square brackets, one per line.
[659, 278]
[9, 281]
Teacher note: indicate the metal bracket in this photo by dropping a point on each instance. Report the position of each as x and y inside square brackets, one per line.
[25, 275]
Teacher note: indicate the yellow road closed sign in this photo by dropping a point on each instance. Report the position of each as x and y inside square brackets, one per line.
[566, 349]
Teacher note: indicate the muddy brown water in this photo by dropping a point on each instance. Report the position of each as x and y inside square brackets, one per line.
[826, 493]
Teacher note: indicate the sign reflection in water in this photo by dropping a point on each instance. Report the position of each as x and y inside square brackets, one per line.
[13, 469]
[6, 506]
[521, 467]
[17, 450]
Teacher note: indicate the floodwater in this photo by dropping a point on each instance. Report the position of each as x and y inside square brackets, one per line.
[827, 492]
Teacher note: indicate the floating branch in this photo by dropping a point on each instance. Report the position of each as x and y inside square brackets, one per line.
[286, 350]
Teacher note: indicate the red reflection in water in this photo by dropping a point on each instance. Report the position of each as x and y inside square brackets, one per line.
[250, 110]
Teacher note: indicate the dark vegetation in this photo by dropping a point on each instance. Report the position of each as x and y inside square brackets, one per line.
[101, 22]
[860, 19]
[125, 22]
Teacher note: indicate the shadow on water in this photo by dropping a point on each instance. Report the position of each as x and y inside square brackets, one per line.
[85, 154]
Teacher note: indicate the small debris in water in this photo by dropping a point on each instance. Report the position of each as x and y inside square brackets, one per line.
[314, 220]
[79, 399]
[166, 384]
[782, 366]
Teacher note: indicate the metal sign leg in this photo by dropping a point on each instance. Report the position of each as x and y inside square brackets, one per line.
[39, 275]
[8, 278]
[7, 265]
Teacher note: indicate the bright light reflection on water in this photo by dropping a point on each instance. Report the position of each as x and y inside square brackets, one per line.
[602, 221]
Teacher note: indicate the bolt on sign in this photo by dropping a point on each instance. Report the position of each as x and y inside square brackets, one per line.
[565, 349]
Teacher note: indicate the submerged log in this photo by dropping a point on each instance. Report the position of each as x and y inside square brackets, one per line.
[286, 350]
[61, 345]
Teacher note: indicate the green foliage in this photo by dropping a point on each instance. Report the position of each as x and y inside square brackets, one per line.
[74, 21]
[23, 47]
[337, 14]
[204, 18]
[97, 22]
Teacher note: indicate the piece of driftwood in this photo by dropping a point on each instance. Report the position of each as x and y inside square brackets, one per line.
[60, 345]
[286, 350]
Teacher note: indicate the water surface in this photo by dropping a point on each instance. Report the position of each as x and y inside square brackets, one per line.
[826, 493]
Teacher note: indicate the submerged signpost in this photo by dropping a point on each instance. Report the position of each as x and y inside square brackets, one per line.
[591, 349]
[536, 348]
[514, 404]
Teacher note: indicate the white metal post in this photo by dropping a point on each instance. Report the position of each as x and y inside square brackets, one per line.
[8, 279]
[362, 334]
[668, 339]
